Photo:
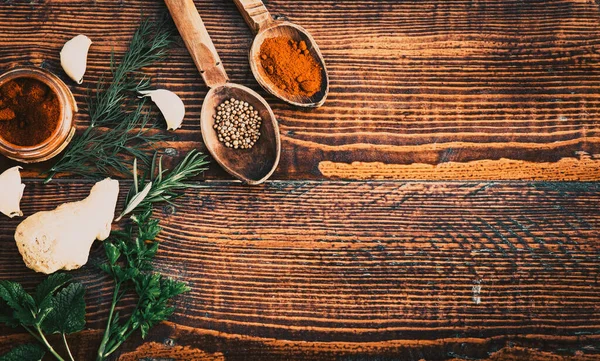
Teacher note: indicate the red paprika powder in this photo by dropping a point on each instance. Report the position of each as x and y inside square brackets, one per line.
[290, 66]
[29, 111]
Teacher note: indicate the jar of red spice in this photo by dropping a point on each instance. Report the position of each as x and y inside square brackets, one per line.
[36, 115]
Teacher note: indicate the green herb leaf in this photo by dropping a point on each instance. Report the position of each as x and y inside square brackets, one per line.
[51, 285]
[25, 352]
[164, 185]
[23, 305]
[68, 311]
[138, 247]
[120, 129]
[6, 315]
[120, 126]
[112, 253]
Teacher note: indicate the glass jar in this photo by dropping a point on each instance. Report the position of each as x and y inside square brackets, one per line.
[65, 129]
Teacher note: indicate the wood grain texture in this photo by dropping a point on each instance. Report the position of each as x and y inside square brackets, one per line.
[363, 270]
[583, 168]
[412, 82]
[368, 270]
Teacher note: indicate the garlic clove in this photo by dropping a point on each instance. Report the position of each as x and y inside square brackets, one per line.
[170, 105]
[12, 191]
[135, 201]
[73, 57]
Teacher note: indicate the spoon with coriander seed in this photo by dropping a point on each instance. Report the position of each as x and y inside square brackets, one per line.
[238, 127]
[284, 58]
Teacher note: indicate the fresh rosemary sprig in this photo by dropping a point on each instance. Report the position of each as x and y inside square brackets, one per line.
[119, 123]
[163, 184]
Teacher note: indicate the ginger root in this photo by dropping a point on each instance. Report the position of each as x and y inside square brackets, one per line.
[61, 239]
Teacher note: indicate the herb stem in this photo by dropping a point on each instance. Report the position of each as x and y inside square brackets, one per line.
[64, 337]
[48, 346]
[164, 186]
[116, 346]
[127, 330]
[121, 127]
[101, 354]
[32, 333]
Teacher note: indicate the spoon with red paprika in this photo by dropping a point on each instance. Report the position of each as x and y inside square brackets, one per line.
[253, 165]
[284, 58]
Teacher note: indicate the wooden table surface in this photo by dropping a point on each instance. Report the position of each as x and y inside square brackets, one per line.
[443, 204]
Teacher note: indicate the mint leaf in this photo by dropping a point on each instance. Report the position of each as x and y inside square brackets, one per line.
[50, 285]
[67, 314]
[26, 352]
[22, 304]
[6, 315]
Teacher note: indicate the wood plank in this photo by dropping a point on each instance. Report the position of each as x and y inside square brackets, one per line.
[316, 270]
[420, 89]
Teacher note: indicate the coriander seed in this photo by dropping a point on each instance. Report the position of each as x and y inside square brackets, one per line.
[237, 124]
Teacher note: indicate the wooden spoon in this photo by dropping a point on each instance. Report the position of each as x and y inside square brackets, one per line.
[260, 21]
[254, 165]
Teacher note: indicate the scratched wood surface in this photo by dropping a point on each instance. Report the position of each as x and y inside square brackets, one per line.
[313, 267]
[362, 270]
[419, 89]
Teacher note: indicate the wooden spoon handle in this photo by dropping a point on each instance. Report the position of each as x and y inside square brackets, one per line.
[255, 13]
[198, 42]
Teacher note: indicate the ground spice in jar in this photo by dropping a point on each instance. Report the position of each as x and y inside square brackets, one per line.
[290, 66]
[29, 111]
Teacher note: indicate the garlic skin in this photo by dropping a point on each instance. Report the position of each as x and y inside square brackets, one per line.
[11, 192]
[170, 105]
[61, 239]
[73, 57]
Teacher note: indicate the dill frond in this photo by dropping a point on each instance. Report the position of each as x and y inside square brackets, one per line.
[120, 125]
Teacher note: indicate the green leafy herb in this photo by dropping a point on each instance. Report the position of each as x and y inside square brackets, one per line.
[58, 305]
[129, 262]
[118, 128]
[163, 185]
[68, 314]
[26, 352]
[24, 310]
[51, 285]
[55, 308]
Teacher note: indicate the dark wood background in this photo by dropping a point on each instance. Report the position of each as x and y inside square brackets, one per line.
[426, 211]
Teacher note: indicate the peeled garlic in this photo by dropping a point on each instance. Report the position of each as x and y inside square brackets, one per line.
[73, 57]
[11, 192]
[170, 104]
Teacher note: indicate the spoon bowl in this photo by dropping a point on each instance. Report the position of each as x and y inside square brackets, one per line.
[296, 33]
[254, 165]
[262, 24]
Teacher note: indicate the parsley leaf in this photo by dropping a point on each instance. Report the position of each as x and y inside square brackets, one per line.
[25, 352]
[129, 262]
